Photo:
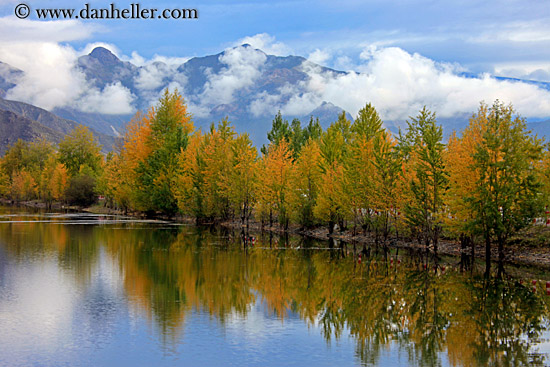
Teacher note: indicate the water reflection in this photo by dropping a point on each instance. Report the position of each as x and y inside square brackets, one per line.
[402, 303]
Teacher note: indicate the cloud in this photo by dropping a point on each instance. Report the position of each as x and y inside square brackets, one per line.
[243, 67]
[319, 56]
[266, 43]
[114, 99]
[399, 84]
[49, 83]
[538, 71]
[90, 47]
[139, 60]
[170, 60]
[50, 78]
[14, 30]
[152, 76]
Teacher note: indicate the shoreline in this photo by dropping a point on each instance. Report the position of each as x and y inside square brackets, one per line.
[525, 255]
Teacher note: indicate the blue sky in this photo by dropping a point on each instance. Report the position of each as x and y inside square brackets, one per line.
[488, 36]
[421, 41]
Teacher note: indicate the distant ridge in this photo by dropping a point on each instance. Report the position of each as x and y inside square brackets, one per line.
[14, 127]
[250, 86]
[30, 122]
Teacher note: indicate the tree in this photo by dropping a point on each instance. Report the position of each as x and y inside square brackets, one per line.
[333, 205]
[217, 158]
[170, 126]
[463, 178]
[428, 178]
[53, 180]
[189, 178]
[243, 176]
[313, 130]
[23, 186]
[273, 183]
[360, 166]
[506, 198]
[387, 183]
[81, 190]
[121, 171]
[280, 130]
[305, 183]
[79, 148]
[4, 181]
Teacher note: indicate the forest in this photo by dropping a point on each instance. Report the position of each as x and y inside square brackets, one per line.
[484, 185]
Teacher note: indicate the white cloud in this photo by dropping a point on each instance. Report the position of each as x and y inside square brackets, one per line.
[49, 77]
[14, 30]
[49, 83]
[90, 47]
[265, 104]
[151, 76]
[538, 71]
[534, 30]
[242, 70]
[399, 84]
[266, 43]
[170, 60]
[139, 60]
[319, 56]
[113, 99]
[345, 63]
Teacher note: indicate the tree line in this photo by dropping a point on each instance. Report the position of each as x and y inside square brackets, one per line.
[483, 186]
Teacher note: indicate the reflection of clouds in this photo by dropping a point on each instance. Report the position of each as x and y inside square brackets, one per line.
[45, 311]
[39, 308]
[259, 325]
[260, 338]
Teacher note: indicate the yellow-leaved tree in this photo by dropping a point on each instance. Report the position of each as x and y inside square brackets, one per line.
[305, 182]
[387, 183]
[23, 186]
[189, 179]
[274, 183]
[333, 202]
[243, 176]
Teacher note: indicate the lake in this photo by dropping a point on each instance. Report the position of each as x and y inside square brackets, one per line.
[98, 290]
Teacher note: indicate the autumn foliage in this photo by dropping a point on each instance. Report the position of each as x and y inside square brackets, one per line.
[483, 185]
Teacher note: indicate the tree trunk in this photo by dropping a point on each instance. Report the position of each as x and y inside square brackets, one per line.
[500, 257]
[487, 257]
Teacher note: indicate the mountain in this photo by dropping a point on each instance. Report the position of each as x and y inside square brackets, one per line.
[18, 114]
[327, 113]
[243, 83]
[14, 127]
[102, 68]
[540, 128]
[111, 125]
[7, 75]
[146, 83]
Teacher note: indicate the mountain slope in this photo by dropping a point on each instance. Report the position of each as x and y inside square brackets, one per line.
[241, 83]
[50, 121]
[14, 127]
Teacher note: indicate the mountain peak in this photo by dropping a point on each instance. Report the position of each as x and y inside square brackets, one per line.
[104, 56]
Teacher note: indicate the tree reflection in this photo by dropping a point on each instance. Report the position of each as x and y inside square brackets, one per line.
[389, 299]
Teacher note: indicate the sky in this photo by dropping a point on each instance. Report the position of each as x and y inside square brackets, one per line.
[444, 38]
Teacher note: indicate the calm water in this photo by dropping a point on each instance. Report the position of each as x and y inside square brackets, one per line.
[86, 290]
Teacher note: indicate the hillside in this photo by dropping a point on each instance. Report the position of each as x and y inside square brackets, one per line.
[14, 127]
[19, 115]
[242, 83]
